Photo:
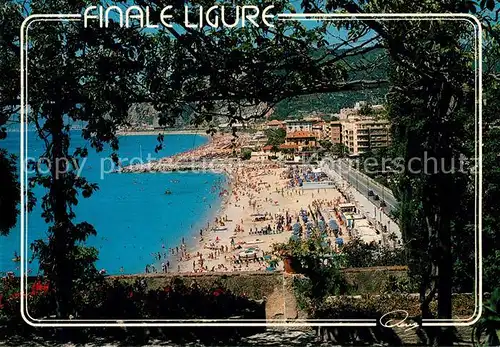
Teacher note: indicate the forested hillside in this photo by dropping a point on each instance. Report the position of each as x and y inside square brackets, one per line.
[332, 102]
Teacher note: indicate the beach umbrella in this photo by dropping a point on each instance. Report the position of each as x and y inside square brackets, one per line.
[296, 227]
[321, 225]
[294, 238]
[333, 224]
[339, 241]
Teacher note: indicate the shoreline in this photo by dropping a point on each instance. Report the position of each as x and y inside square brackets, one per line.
[259, 212]
[206, 224]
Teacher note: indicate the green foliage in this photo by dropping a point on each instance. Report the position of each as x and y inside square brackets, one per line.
[320, 265]
[371, 65]
[326, 144]
[489, 324]
[9, 91]
[118, 300]
[83, 75]
[340, 150]
[431, 116]
[275, 137]
[246, 154]
[400, 284]
[358, 253]
[254, 286]
[327, 103]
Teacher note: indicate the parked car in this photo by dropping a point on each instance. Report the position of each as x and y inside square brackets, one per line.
[370, 193]
[376, 197]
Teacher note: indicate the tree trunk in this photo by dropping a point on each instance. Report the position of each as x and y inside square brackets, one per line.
[60, 243]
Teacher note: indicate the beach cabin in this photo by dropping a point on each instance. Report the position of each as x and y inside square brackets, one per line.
[351, 219]
[347, 207]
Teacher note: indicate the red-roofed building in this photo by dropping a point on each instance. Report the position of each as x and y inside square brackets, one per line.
[267, 149]
[304, 140]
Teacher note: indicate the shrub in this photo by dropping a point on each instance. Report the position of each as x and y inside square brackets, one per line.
[117, 300]
[246, 154]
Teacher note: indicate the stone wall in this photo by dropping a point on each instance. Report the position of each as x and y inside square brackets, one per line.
[275, 288]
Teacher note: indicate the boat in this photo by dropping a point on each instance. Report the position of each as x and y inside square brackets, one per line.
[168, 192]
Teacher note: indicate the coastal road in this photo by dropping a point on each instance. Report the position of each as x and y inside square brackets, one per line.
[367, 205]
[363, 183]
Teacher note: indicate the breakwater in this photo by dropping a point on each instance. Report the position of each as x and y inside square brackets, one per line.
[218, 166]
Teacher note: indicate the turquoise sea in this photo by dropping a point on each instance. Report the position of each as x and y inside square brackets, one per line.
[131, 212]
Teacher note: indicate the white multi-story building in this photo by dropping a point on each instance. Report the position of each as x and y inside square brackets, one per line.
[293, 125]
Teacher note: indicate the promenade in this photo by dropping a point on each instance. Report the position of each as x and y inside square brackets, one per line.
[369, 209]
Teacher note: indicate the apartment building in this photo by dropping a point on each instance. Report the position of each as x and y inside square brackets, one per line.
[361, 134]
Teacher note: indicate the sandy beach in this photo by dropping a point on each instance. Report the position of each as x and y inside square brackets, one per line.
[240, 238]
